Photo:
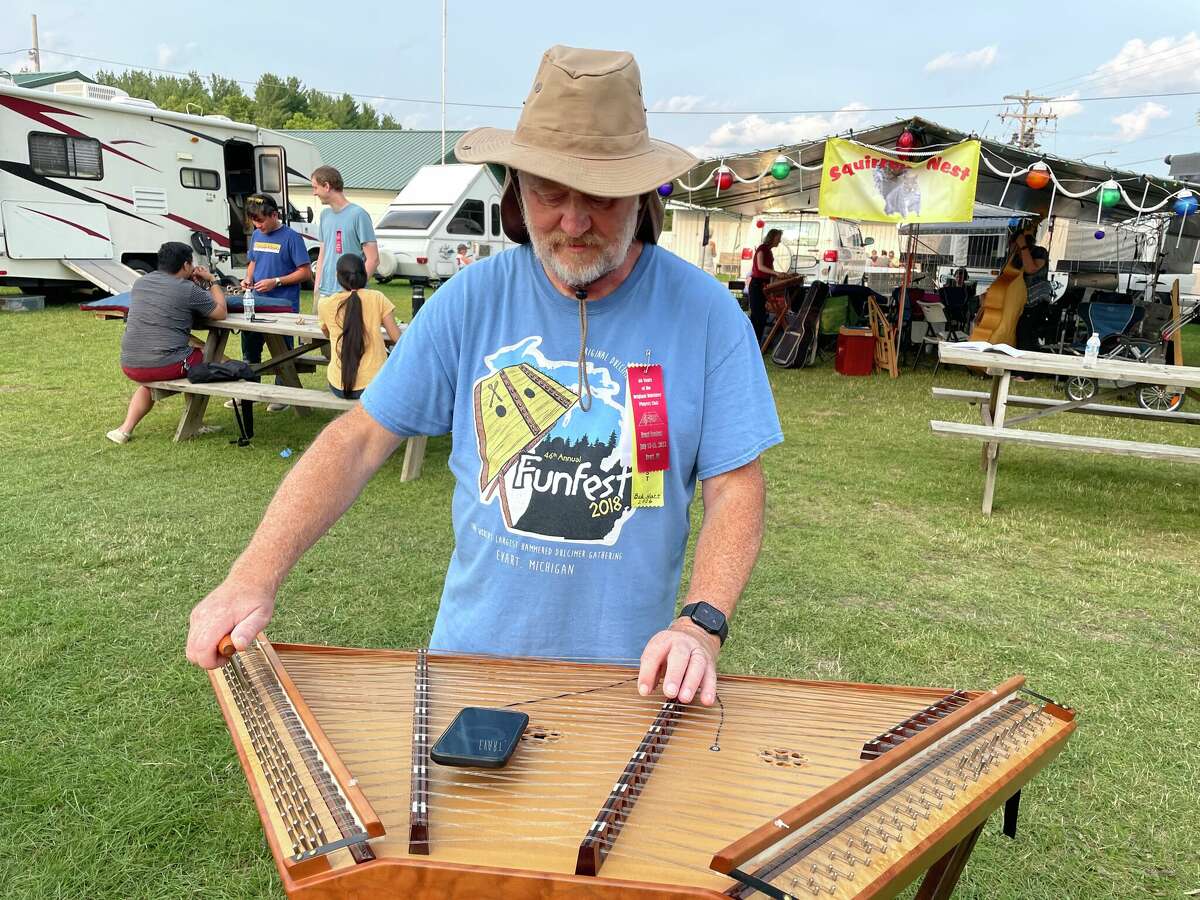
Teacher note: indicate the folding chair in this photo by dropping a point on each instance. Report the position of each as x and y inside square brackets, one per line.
[1110, 321]
[738, 289]
[937, 329]
[884, 333]
[954, 298]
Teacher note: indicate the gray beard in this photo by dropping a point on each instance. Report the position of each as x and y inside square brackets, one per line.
[579, 276]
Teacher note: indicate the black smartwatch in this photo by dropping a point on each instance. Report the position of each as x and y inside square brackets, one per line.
[707, 617]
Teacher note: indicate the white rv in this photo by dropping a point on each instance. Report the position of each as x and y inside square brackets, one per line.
[440, 208]
[92, 181]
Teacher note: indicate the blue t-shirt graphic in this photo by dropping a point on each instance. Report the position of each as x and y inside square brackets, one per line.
[275, 255]
[550, 560]
[341, 233]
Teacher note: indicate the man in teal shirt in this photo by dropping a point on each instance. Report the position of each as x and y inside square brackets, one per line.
[345, 228]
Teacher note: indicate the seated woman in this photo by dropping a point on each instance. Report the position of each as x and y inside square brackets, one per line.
[163, 306]
[351, 320]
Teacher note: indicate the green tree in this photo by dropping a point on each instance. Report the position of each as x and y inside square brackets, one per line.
[239, 107]
[305, 122]
[276, 102]
[223, 89]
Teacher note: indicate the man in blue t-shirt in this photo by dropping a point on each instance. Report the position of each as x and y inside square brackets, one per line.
[278, 265]
[345, 228]
[569, 371]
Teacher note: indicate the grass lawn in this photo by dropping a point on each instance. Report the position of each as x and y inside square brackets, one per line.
[119, 778]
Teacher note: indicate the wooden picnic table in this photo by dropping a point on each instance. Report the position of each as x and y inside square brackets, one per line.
[282, 363]
[997, 428]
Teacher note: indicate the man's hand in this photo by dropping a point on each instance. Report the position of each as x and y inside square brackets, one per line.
[239, 610]
[265, 284]
[685, 655]
[245, 283]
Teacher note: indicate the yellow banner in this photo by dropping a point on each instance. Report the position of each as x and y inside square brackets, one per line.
[864, 184]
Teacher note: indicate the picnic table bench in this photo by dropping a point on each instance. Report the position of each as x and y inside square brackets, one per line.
[997, 428]
[282, 362]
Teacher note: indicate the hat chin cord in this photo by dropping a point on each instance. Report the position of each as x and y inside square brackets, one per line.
[585, 387]
[581, 294]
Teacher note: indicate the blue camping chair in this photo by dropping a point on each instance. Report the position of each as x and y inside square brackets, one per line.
[1110, 321]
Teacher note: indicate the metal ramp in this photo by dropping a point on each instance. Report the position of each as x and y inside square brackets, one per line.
[107, 274]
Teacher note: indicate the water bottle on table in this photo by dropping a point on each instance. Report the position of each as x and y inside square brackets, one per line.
[1091, 351]
[248, 303]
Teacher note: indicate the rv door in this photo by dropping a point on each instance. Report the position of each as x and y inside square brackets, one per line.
[494, 240]
[270, 174]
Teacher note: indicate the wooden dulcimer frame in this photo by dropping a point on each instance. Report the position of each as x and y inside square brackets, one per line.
[784, 789]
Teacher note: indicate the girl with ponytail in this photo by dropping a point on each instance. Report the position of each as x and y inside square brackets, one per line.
[351, 319]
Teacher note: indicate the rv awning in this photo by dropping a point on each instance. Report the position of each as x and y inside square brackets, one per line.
[799, 190]
[988, 220]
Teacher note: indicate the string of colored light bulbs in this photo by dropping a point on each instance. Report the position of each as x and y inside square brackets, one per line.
[1038, 175]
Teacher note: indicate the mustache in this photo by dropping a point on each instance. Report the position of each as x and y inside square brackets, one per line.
[557, 239]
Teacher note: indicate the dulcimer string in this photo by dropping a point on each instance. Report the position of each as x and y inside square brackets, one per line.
[888, 705]
[622, 738]
[477, 677]
[610, 732]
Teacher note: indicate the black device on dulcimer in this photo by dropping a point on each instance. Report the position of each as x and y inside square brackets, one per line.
[565, 782]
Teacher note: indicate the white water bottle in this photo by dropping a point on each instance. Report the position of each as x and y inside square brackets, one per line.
[1091, 351]
[248, 303]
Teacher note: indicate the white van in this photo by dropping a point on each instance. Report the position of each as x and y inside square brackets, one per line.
[829, 250]
[439, 209]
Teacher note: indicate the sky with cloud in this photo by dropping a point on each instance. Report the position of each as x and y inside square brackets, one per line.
[718, 79]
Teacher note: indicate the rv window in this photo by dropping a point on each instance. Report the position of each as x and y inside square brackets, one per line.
[495, 220]
[408, 219]
[63, 156]
[269, 180]
[468, 219]
[202, 179]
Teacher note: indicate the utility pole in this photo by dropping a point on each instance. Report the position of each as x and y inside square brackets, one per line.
[1027, 122]
[442, 159]
[35, 56]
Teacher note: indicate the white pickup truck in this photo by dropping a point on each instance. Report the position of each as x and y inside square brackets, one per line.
[829, 250]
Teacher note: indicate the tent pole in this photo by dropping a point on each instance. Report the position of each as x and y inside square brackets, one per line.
[908, 266]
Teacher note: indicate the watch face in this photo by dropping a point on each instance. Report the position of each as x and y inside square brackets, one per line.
[709, 617]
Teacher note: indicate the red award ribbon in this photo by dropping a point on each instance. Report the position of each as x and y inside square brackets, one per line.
[651, 441]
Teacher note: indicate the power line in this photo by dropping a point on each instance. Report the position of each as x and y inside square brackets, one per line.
[1139, 70]
[1134, 162]
[18, 50]
[1151, 137]
[1158, 134]
[752, 112]
[908, 108]
[117, 62]
[1094, 74]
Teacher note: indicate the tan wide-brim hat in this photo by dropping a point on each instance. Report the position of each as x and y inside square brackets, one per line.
[584, 126]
